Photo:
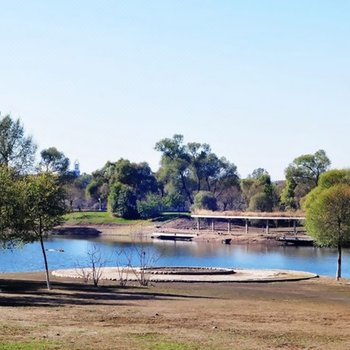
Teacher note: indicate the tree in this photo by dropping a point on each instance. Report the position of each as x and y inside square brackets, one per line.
[16, 149]
[122, 201]
[76, 191]
[138, 177]
[10, 206]
[190, 168]
[150, 207]
[175, 164]
[205, 200]
[328, 217]
[43, 208]
[54, 161]
[258, 191]
[302, 176]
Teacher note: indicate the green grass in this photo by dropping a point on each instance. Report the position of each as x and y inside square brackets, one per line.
[154, 341]
[103, 217]
[31, 345]
[96, 217]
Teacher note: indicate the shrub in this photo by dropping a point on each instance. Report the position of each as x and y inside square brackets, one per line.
[205, 200]
[150, 207]
[122, 201]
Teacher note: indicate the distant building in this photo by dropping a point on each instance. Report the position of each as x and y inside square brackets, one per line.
[76, 168]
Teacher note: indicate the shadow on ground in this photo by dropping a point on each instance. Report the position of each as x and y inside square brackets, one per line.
[34, 293]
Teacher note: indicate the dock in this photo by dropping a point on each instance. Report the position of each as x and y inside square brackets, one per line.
[296, 241]
[173, 236]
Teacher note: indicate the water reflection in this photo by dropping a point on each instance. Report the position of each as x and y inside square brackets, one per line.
[320, 261]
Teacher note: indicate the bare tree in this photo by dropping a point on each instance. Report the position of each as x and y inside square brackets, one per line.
[146, 259]
[95, 264]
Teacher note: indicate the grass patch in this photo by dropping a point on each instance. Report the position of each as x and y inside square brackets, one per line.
[104, 217]
[96, 217]
[154, 341]
[30, 345]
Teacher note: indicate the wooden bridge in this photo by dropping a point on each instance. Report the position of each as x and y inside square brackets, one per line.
[246, 218]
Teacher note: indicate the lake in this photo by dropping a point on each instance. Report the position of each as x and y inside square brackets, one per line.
[29, 258]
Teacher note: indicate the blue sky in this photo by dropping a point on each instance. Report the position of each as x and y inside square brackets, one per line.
[261, 81]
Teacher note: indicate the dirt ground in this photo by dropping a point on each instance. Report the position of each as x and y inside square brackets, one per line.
[256, 235]
[313, 314]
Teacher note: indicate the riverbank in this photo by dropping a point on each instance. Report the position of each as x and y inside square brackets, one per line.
[143, 230]
[289, 315]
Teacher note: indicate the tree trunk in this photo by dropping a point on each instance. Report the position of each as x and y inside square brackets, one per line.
[339, 263]
[45, 261]
[183, 180]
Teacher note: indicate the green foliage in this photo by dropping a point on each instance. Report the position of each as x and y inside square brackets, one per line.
[16, 150]
[327, 210]
[190, 168]
[328, 215]
[334, 177]
[258, 191]
[30, 206]
[260, 202]
[205, 200]
[138, 178]
[44, 205]
[122, 201]
[53, 161]
[95, 218]
[302, 176]
[173, 200]
[150, 207]
[10, 206]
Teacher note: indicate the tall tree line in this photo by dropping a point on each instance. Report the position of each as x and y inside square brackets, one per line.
[191, 176]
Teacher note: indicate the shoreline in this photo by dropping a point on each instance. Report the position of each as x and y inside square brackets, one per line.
[140, 232]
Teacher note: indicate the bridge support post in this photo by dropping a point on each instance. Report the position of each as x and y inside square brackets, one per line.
[246, 226]
[213, 224]
[267, 230]
[229, 226]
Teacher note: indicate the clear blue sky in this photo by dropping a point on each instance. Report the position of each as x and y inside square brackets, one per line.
[261, 81]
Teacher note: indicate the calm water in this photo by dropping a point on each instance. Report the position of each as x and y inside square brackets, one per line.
[29, 258]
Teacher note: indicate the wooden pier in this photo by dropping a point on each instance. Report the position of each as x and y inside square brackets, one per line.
[246, 219]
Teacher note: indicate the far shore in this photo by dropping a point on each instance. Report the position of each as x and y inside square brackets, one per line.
[144, 230]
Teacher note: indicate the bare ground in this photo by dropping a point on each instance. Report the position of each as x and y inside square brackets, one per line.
[313, 314]
[256, 235]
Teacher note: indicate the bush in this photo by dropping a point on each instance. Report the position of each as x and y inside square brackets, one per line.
[260, 202]
[205, 200]
[122, 201]
[150, 207]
